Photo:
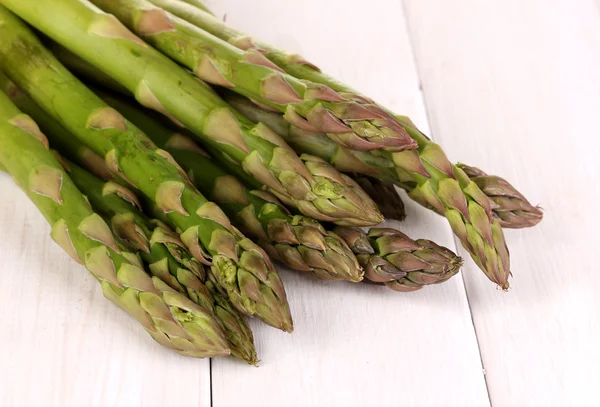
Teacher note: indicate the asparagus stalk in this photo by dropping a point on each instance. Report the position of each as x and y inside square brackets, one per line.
[384, 194]
[73, 148]
[427, 176]
[248, 72]
[199, 4]
[168, 316]
[241, 267]
[433, 180]
[159, 83]
[511, 208]
[391, 258]
[81, 68]
[299, 242]
[164, 254]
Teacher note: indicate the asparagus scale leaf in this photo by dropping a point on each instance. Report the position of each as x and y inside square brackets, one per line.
[168, 316]
[239, 265]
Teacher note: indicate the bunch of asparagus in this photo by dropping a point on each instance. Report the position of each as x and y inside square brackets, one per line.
[186, 155]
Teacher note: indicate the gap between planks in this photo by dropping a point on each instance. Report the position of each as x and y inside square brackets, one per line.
[457, 246]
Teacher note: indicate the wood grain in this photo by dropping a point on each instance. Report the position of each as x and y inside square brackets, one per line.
[62, 343]
[514, 86]
[357, 345]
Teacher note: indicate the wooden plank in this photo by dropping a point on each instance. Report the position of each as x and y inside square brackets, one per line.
[62, 343]
[514, 86]
[357, 345]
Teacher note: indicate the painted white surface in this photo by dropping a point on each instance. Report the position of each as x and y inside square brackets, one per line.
[61, 343]
[514, 86]
[511, 86]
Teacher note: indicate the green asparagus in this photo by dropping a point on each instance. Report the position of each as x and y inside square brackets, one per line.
[428, 177]
[251, 74]
[164, 254]
[161, 84]
[432, 179]
[510, 207]
[168, 316]
[299, 242]
[390, 257]
[240, 266]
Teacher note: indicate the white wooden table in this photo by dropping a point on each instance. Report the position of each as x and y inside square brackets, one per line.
[512, 86]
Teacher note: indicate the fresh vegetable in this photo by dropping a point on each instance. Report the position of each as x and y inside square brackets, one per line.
[168, 316]
[159, 83]
[427, 176]
[241, 267]
[299, 242]
[165, 255]
[248, 72]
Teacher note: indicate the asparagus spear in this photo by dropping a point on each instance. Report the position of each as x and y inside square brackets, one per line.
[432, 179]
[168, 316]
[385, 196]
[215, 61]
[164, 254]
[511, 208]
[240, 266]
[299, 242]
[390, 257]
[159, 83]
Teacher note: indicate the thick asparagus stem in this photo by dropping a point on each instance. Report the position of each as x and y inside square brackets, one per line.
[168, 316]
[240, 266]
[248, 72]
[82, 68]
[72, 147]
[159, 83]
[166, 256]
[299, 242]
[390, 257]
